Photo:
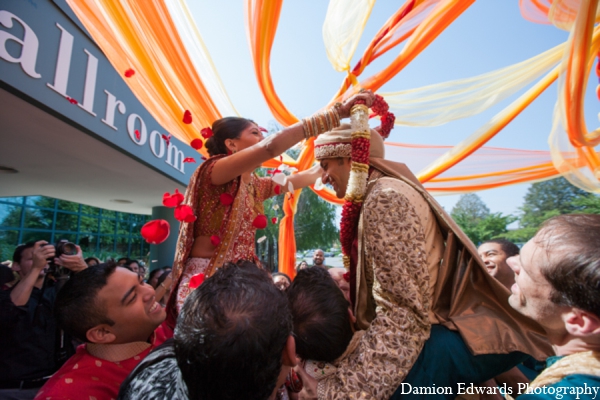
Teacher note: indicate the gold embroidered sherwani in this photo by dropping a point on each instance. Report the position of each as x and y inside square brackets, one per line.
[415, 268]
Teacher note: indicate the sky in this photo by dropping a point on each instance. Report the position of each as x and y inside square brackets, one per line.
[491, 34]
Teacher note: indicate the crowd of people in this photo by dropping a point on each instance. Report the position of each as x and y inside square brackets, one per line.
[418, 312]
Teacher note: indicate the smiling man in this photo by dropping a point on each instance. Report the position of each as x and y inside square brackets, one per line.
[115, 314]
[494, 254]
[557, 284]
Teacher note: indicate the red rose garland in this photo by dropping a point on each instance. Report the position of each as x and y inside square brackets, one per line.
[355, 192]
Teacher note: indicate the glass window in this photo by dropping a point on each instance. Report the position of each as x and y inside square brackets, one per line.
[123, 245]
[9, 239]
[87, 242]
[68, 206]
[39, 201]
[14, 200]
[34, 236]
[108, 214]
[89, 210]
[10, 215]
[107, 226]
[123, 228]
[107, 244]
[66, 222]
[88, 224]
[38, 219]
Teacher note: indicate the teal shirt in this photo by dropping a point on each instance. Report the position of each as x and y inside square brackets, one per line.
[579, 386]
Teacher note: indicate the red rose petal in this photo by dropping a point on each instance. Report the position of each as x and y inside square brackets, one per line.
[196, 281]
[184, 213]
[346, 276]
[206, 132]
[189, 160]
[203, 158]
[187, 117]
[166, 138]
[274, 220]
[129, 73]
[138, 135]
[172, 200]
[260, 222]
[277, 189]
[226, 199]
[155, 231]
[215, 240]
[71, 100]
[197, 144]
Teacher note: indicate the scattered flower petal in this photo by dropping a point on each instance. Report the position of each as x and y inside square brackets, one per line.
[206, 132]
[346, 276]
[281, 158]
[260, 222]
[72, 100]
[196, 281]
[187, 117]
[226, 199]
[277, 190]
[203, 158]
[197, 144]
[215, 240]
[172, 200]
[129, 73]
[189, 160]
[155, 231]
[261, 239]
[184, 213]
[166, 138]
[138, 135]
[274, 220]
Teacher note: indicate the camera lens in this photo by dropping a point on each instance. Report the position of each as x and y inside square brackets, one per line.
[69, 249]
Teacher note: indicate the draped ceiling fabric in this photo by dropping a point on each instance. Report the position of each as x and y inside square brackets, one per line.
[174, 73]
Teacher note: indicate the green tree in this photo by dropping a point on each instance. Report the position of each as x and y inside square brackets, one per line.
[545, 200]
[475, 219]
[314, 223]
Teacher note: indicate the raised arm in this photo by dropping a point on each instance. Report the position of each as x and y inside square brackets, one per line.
[249, 158]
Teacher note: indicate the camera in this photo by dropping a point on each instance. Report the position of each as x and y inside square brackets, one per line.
[62, 246]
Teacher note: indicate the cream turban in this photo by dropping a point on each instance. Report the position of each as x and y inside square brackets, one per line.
[337, 143]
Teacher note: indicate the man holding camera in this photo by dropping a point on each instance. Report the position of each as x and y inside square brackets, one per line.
[33, 346]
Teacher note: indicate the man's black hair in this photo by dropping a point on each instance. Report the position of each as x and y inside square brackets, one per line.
[508, 247]
[231, 334]
[274, 274]
[77, 308]
[18, 253]
[322, 326]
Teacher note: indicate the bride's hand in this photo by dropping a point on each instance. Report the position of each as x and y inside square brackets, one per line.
[366, 95]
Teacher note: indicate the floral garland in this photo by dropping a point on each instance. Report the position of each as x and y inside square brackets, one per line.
[359, 170]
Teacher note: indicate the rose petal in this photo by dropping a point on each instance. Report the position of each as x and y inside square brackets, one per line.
[187, 117]
[155, 231]
[277, 189]
[215, 240]
[274, 220]
[260, 222]
[172, 200]
[196, 281]
[281, 158]
[138, 135]
[261, 239]
[166, 138]
[184, 213]
[206, 132]
[72, 100]
[129, 73]
[346, 276]
[203, 158]
[189, 160]
[226, 199]
[197, 144]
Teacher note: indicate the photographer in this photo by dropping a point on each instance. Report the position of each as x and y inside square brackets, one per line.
[33, 347]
